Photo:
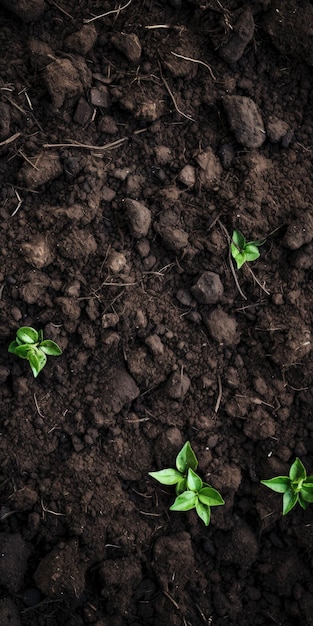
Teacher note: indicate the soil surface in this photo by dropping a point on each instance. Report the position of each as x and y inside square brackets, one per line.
[134, 138]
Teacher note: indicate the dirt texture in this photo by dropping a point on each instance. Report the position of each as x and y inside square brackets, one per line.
[134, 138]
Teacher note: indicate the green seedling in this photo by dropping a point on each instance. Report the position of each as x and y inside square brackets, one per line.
[30, 344]
[244, 251]
[297, 487]
[191, 491]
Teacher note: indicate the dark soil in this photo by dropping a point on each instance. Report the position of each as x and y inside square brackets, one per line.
[131, 146]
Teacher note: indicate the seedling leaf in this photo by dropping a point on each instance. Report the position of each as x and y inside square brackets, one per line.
[194, 482]
[29, 344]
[210, 497]
[289, 501]
[37, 361]
[167, 476]
[23, 351]
[186, 459]
[238, 240]
[191, 491]
[251, 252]
[306, 492]
[181, 486]
[185, 502]
[297, 470]
[27, 334]
[243, 251]
[12, 347]
[280, 484]
[50, 347]
[204, 512]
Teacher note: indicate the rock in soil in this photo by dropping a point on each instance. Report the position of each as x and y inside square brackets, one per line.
[66, 78]
[45, 166]
[222, 327]
[208, 288]
[245, 121]
[242, 33]
[139, 217]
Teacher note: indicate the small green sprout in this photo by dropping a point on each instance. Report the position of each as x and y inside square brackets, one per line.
[242, 250]
[191, 491]
[297, 487]
[29, 344]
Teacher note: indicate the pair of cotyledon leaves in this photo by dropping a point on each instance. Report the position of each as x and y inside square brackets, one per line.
[242, 250]
[297, 487]
[30, 344]
[192, 492]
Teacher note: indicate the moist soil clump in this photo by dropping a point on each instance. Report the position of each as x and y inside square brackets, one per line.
[133, 140]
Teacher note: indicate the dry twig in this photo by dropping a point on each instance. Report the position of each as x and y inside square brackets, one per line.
[60, 9]
[10, 139]
[180, 56]
[188, 117]
[220, 392]
[98, 17]
[108, 146]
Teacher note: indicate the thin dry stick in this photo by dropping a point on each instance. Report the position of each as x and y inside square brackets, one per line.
[20, 202]
[28, 160]
[37, 407]
[10, 139]
[108, 146]
[181, 56]
[98, 17]
[235, 276]
[48, 510]
[257, 281]
[179, 29]
[220, 392]
[60, 9]
[153, 26]
[188, 117]
[86, 146]
[171, 599]
[15, 105]
[230, 260]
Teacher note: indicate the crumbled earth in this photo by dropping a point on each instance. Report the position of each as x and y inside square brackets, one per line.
[133, 139]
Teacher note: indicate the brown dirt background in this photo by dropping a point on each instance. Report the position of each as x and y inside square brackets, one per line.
[96, 117]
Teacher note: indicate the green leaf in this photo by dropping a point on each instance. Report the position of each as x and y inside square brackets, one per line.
[251, 252]
[37, 360]
[167, 476]
[289, 501]
[194, 482]
[185, 502]
[210, 497]
[238, 240]
[23, 351]
[26, 334]
[181, 486]
[306, 491]
[240, 259]
[302, 502]
[297, 470]
[204, 512]
[281, 484]
[12, 346]
[50, 347]
[186, 459]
